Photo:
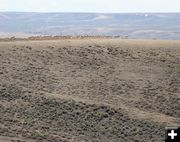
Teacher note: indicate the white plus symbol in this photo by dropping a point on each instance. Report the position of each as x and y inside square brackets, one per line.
[172, 134]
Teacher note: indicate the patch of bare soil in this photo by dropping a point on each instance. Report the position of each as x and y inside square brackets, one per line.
[90, 90]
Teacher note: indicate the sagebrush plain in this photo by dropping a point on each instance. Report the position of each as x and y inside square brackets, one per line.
[90, 90]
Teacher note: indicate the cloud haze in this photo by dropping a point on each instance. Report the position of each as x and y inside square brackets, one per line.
[90, 5]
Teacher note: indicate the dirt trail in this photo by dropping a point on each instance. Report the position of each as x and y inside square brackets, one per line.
[117, 103]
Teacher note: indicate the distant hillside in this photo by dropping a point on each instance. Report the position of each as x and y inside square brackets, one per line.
[141, 25]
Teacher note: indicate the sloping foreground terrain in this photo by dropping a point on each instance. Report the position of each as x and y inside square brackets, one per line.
[91, 90]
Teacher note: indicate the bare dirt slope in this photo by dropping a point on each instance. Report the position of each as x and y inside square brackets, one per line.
[90, 90]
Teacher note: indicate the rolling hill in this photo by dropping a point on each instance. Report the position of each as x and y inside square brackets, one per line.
[137, 25]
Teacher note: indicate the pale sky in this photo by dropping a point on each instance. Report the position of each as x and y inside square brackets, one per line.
[107, 6]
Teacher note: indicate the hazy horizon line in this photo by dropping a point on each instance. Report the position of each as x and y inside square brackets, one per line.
[91, 12]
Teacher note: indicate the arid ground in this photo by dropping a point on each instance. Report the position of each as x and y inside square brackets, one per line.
[90, 90]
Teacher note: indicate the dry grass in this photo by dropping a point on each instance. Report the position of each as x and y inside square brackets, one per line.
[88, 90]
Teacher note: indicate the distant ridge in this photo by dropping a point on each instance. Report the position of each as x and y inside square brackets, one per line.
[137, 25]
